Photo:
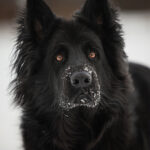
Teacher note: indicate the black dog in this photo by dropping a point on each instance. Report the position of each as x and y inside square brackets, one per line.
[74, 84]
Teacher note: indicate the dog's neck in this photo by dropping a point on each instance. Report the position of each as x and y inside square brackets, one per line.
[74, 129]
[77, 131]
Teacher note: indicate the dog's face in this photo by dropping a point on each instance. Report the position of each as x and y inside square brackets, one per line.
[74, 55]
[70, 64]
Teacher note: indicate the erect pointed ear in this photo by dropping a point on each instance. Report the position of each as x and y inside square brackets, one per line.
[96, 11]
[39, 18]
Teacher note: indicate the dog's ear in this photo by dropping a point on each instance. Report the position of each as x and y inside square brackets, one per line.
[39, 18]
[96, 11]
[35, 25]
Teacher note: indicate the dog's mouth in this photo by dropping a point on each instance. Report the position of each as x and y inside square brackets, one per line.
[82, 100]
[71, 97]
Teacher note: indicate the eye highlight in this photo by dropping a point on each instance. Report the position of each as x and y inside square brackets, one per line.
[59, 58]
[92, 55]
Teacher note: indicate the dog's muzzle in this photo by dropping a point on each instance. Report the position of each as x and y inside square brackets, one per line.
[81, 88]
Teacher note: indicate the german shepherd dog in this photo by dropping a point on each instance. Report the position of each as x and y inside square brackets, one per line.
[74, 83]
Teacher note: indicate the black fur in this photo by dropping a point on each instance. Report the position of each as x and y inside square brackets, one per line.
[120, 121]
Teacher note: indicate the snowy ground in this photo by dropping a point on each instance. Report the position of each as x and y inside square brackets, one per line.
[137, 37]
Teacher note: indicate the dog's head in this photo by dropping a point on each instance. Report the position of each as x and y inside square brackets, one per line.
[69, 64]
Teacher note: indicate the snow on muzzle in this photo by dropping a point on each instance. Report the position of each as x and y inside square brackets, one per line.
[80, 88]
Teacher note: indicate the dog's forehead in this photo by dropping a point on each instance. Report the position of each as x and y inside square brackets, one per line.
[73, 31]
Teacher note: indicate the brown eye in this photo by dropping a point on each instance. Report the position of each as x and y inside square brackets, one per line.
[59, 58]
[92, 55]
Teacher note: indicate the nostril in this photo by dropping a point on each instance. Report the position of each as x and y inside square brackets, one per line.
[87, 80]
[75, 81]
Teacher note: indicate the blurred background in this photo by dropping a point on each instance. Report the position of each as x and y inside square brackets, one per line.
[134, 16]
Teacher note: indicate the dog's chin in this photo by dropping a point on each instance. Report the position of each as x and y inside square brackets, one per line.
[81, 101]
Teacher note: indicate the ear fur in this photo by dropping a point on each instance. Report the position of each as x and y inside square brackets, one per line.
[97, 11]
[39, 18]
[35, 25]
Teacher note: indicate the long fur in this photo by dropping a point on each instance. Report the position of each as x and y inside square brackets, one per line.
[116, 123]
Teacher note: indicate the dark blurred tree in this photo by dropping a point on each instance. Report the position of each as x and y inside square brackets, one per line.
[133, 4]
[66, 7]
[7, 9]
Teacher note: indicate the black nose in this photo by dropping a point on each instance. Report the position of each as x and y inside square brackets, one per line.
[81, 79]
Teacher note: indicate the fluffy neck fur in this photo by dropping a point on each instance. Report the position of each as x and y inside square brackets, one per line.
[76, 130]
